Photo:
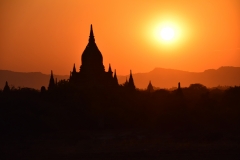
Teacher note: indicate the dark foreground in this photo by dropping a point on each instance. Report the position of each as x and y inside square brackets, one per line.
[121, 144]
[189, 123]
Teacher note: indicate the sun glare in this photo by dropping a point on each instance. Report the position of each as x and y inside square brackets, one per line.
[167, 33]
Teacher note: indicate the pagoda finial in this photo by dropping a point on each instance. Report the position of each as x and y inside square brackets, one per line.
[6, 87]
[74, 68]
[131, 82]
[130, 74]
[91, 36]
[109, 68]
[150, 87]
[115, 78]
[51, 82]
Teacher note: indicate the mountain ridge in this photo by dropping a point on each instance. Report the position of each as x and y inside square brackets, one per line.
[160, 77]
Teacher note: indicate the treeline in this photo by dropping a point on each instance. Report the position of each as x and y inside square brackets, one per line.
[193, 110]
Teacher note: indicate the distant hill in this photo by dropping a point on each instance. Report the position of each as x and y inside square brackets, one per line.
[168, 78]
[26, 79]
[160, 77]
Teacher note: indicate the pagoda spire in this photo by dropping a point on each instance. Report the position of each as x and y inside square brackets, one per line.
[51, 82]
[126, 83]
[51, 75]
[150, 87]
[91, 36]
[115, 74]
[179, 85]
[115, 78]
[109, 68]
[130, 77]
[131, 82]
[179, 90]
[6, 87]
[74, 69]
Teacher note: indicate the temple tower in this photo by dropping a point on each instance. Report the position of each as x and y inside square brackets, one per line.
[51, 85]
[92, 60]
[115, 78]
[6, 87]
[131, 85]
[150, 87]
[110, 70]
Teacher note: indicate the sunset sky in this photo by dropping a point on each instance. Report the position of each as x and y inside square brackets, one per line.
[45, 35]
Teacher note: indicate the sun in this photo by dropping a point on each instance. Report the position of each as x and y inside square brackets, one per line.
[167, 33]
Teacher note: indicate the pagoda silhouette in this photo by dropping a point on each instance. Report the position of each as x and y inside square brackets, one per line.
[92, 72]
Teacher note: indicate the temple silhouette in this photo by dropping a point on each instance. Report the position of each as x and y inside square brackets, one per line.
[92, 72]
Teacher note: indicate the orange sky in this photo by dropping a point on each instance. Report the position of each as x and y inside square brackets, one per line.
[44, 35]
